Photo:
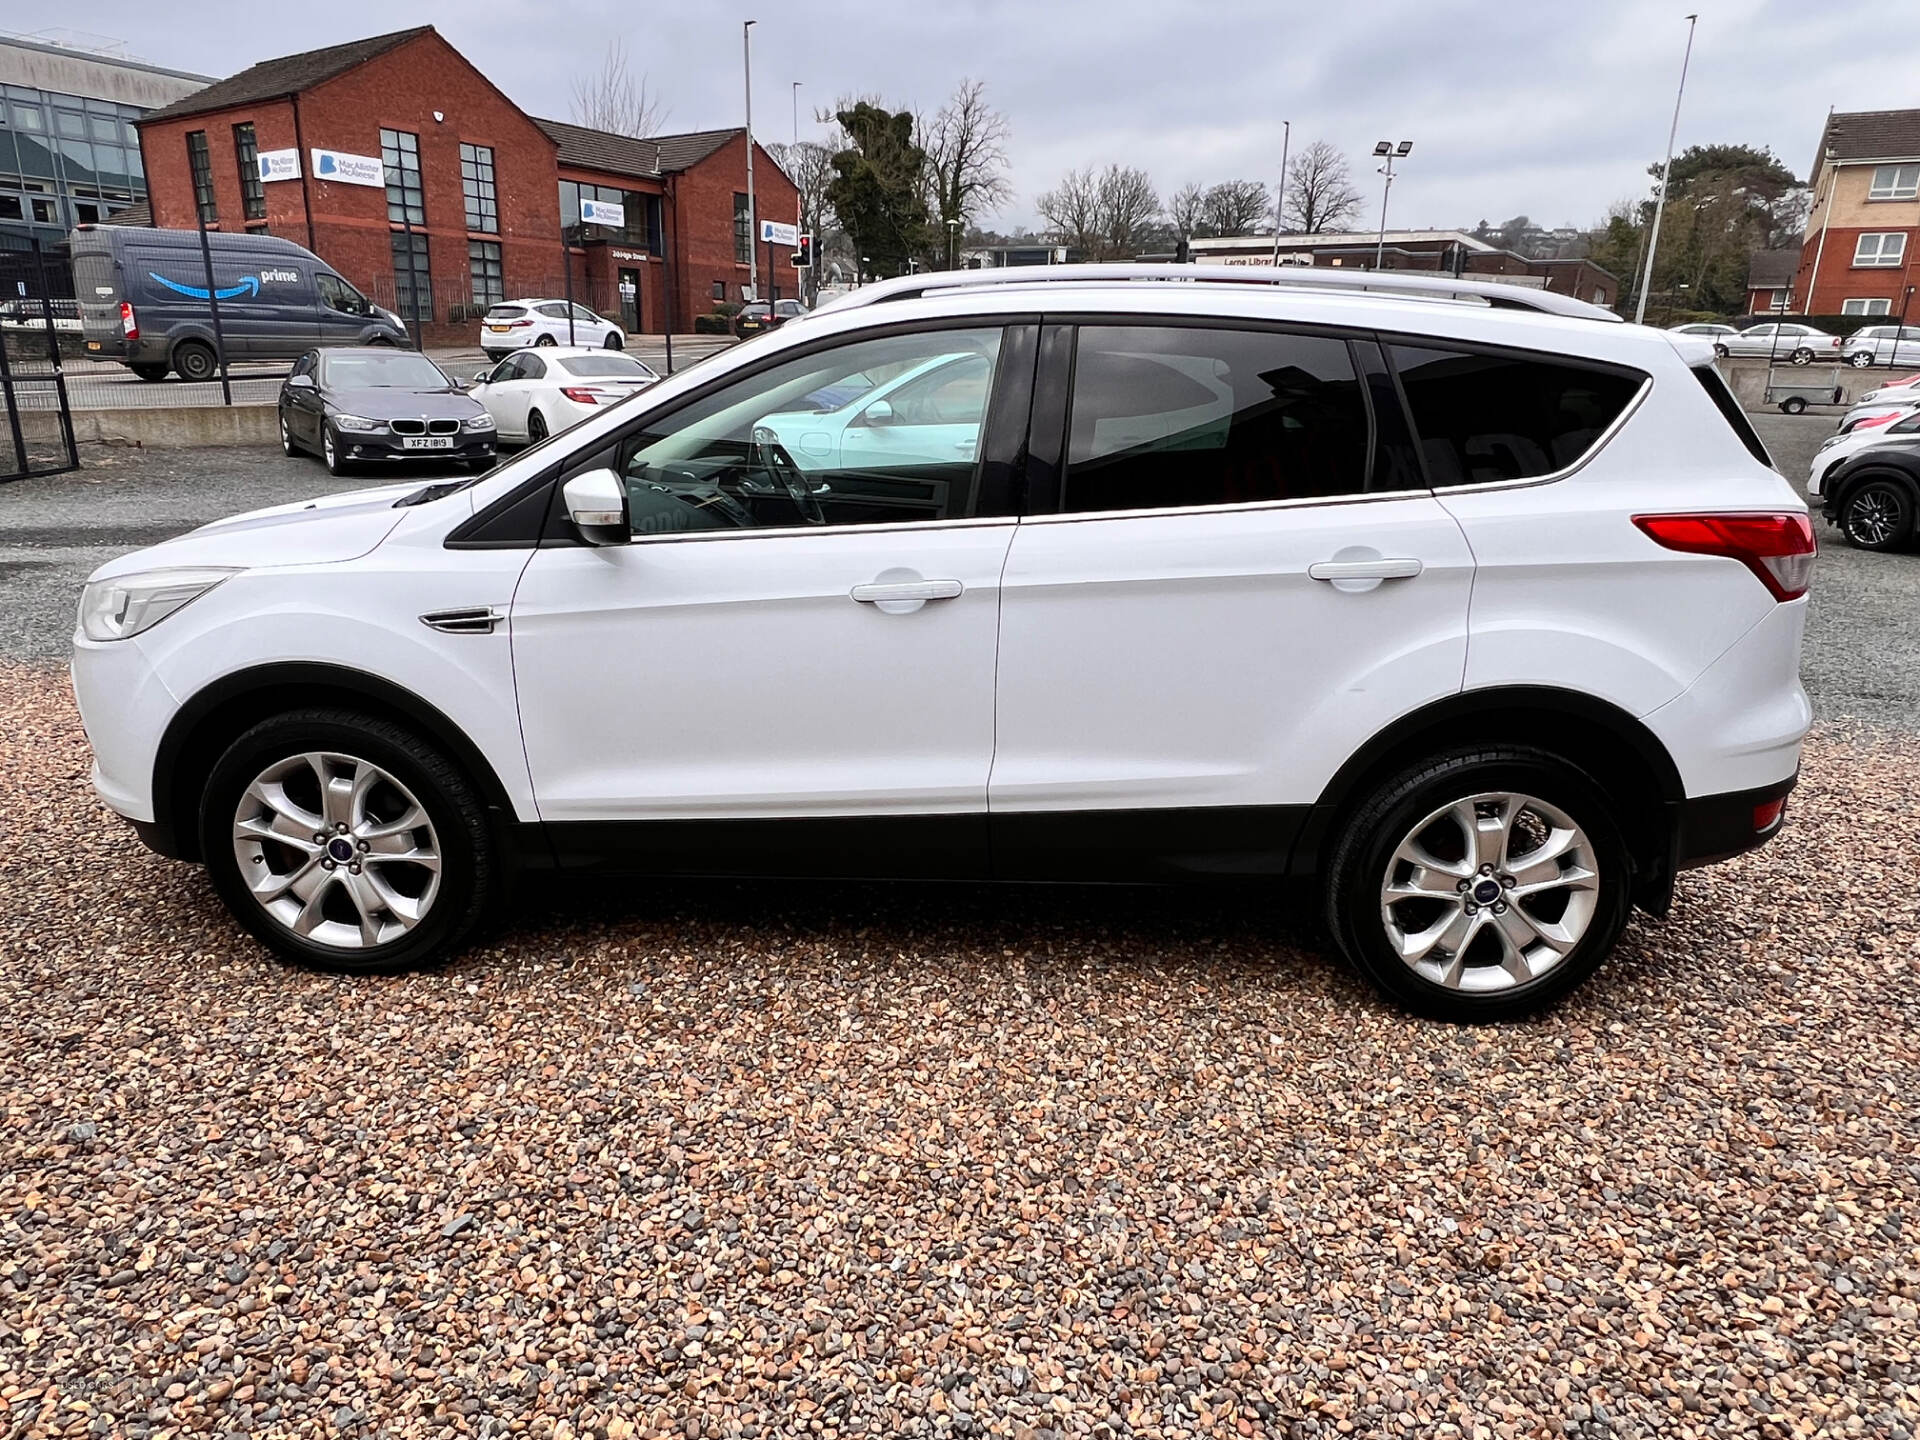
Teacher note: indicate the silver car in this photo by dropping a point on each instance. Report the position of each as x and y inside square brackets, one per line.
[1882, 345]
[1782, 340]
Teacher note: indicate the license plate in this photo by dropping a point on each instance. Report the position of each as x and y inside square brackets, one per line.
[426, 442]
[93, 344]
[500, 329]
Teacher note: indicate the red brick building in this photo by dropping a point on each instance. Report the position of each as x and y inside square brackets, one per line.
[1450, 252]
[1858, 255]
[471, 196]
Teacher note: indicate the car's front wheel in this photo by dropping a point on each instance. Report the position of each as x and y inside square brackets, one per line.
[1720, 352]
[330, 451]
[347, 842]
[1877, 515]
[615, 341]
[1802, 356]
[1860, 359]
[1482, 885]
[287, 445]
[150, 373]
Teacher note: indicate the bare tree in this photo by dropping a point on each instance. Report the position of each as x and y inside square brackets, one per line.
[809, 165]
[966, 157]
[1072, 211]
[1319, 190]
[616, 99]
[1125, 204]
[1185, 210]
[1236, 207]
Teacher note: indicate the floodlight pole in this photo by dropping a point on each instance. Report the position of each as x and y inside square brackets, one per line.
[1280, 200]
[1389, 153]
[746, 66]
[1660, 202]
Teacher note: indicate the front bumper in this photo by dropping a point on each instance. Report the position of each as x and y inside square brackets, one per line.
[125, 709]
[374, 446]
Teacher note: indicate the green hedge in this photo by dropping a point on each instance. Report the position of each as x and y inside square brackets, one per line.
[714, 324]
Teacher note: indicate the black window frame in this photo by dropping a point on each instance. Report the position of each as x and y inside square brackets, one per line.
[479, 188]
[418, 273]
[410, 206]
[486, 273]
[742, 229]
[246, 153]
[200, 169]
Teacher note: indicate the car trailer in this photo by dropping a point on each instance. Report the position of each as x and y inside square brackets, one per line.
[1795, 394]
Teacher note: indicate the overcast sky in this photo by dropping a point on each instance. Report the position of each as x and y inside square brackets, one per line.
[1543, 107]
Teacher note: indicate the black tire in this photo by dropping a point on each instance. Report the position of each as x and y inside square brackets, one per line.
[1802, 356]
[1860, 359]
[1720, 352]
[288, 445]
[150, 373]
[614, 341]
[472, 879]
[1793, 404]
[1365, 849]
[536, 427]
[330, 455]
[195, 360]
[543, 341]
[1877, 515]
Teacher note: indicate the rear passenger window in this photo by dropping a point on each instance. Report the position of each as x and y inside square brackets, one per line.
[1168, 416]
[1484, 418]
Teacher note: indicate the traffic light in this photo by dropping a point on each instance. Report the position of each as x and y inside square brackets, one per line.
[803, 257]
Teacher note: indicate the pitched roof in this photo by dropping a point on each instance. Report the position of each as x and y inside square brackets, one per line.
[1870, 135]
[138, 213]
[624, 155]
[1772, 269]
[288, 75]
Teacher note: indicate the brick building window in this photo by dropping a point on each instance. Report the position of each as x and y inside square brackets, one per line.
[1894, 182]
[200, 163]
[476, 181]
[1887, 248]
[484, 276]
[246, 150]
[406, 200]
[742, 231]
[1866, 307]
[412, 280]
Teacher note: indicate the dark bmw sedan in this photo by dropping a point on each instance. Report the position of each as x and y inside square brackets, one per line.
[354, 404]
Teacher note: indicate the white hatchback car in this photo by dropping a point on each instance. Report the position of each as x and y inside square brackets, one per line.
[1474, 604]
[536, 392]
[1894, 426]
[516, 324]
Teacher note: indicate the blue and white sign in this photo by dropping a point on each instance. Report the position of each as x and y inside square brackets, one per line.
[349, 169]
[772, 232]
[603, 212]
[279, 165]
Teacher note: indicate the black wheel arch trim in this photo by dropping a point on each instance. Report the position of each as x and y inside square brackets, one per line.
[1840, 484]
[183, 761]
[1450, 720]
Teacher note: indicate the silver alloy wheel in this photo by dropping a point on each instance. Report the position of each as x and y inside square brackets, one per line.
[336, 850]
[286, 435]
[1871, 518]
[1490, 892]
[328, 453]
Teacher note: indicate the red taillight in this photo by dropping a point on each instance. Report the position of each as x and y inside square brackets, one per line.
[128, 325]
[1766, 816]
[1779, 548]
[580, 395]
[520, 325]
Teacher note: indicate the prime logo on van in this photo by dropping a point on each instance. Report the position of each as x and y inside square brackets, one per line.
[248, 285]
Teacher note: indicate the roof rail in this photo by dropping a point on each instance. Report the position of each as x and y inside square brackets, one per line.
[1382, 282]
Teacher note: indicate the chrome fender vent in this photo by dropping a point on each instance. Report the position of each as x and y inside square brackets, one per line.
[472, 620]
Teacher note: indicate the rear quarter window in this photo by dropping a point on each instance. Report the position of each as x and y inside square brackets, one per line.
[1483, 417]
[1716, 387]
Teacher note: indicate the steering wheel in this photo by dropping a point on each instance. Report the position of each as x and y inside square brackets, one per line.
[780, 464]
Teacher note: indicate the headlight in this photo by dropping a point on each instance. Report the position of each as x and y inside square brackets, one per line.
[358, 422]
[128, 604]
[482, 421]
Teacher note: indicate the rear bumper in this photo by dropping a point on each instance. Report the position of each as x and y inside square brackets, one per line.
[1712, 828]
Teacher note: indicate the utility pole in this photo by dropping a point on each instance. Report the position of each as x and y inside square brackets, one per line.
[746, 63]
[1280, 200]
[1391, 153]
[1660, 202]
[953, 238]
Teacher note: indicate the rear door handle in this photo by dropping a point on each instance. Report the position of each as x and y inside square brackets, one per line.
[908, 590]
[1400, 568]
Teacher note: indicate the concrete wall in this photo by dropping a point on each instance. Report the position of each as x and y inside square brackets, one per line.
[96, 77]
[185, 427]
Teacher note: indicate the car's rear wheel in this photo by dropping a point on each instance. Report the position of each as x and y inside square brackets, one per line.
[544, 340]
[1793, 404]
[1720, 352]
[536, 427]
[1482, 885]
[150, 373]
[1878, 515]
[195, 360]
[347, 842]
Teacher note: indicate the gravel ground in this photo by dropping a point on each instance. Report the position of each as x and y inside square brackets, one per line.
[715, 1160]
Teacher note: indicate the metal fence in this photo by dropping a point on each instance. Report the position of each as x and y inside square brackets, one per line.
[36, 308]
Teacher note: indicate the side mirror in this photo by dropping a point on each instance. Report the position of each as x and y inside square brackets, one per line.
[879, 413]
[480, 376]
[597, 506]
[300, 382]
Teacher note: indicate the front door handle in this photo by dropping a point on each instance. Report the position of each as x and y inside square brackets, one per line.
[1385, 568]
[916, 592]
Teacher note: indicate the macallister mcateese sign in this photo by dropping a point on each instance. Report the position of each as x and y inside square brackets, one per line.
[345, 169]
[279, 165]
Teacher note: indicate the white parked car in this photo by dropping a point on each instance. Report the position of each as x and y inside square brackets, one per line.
[930, 408]
[1900, 389]
[517, 324]
[1783, 341]
[536, 392]
[1876, 412]
[1882, 345]
[1471, 602]
[1895, 425]
[1704, 328]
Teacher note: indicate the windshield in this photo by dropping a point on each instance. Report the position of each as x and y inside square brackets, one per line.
[377, 372]
[612, 365]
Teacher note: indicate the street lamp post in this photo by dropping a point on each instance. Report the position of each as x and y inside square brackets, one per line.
[1390, 152]
[746, 64]
[1280, 200]
[953, 236]
[1660, 203]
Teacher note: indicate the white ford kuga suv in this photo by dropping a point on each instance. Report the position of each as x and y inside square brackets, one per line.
[1471, 604]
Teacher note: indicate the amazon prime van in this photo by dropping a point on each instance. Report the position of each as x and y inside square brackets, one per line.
[144, 300]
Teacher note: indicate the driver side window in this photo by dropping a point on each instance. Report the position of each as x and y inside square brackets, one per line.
[336, 294]
[872, 433]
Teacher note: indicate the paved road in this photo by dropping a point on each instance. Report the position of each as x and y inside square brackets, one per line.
[1862, 656]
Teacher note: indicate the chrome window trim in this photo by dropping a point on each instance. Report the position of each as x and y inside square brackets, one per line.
[961, 522]
[1304, 502]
